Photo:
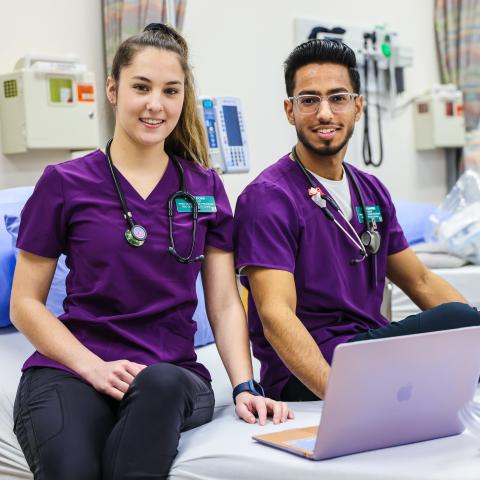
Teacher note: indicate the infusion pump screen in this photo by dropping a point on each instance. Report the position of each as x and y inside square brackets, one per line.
[230, 114]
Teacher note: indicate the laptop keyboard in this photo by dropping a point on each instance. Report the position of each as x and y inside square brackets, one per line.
[304, 443]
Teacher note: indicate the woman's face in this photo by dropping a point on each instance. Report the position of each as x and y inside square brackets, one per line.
[148, 97]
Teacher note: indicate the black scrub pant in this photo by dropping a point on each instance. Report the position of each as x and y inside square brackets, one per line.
[69, 431]
[444, 317]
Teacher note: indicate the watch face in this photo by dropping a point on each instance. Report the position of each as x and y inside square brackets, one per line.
[250, 386]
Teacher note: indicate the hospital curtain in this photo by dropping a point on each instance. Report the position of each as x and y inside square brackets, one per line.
[457, 29]
[124, 18]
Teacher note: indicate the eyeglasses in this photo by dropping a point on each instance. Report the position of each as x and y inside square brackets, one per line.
[310, 104]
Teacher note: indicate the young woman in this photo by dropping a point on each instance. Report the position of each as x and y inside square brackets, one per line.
[115, 379]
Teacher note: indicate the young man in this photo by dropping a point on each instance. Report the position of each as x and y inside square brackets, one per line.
[315, 267]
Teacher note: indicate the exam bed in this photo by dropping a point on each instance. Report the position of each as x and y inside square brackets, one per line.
[223, 449]
[413, 218]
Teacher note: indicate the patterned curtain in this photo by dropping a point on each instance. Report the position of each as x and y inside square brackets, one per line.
[457, 28]
[124, 18]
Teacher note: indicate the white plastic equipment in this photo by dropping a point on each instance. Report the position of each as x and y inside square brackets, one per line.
[48, 101]
[438, 118]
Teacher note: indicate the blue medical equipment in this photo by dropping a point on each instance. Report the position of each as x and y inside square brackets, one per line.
[137, 234]
[227, 140]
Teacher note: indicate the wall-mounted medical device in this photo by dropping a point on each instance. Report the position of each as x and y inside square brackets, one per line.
[227, 141]
[381, 62]
[48, 101]
[438, 118]
[369, 42]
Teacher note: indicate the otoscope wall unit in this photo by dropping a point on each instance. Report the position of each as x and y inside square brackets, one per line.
[48, 102]
[375, 44]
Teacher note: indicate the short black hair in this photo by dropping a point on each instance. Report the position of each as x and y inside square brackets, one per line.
[321, 51]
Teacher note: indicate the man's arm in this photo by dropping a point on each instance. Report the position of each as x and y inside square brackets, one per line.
[424, 288]
[275, 298]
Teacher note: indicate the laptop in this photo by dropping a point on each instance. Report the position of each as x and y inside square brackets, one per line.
[388, 392]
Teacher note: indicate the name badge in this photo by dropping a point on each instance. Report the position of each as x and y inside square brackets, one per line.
[373, 213]
[206, 204]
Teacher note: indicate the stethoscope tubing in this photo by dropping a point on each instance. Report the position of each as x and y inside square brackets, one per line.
[182, 193]
[355, 239]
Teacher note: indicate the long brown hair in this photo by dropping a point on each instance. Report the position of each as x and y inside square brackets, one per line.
[188, 138]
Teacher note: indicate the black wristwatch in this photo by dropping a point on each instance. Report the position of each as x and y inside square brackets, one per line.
[251, 386]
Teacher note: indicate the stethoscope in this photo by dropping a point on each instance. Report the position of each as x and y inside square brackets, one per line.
[137, 234]
[369, 241]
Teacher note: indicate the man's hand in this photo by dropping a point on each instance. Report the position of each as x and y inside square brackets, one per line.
[113, 378]
[249, 406]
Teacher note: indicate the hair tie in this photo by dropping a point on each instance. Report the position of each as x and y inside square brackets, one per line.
[171, 32]
[157, 26]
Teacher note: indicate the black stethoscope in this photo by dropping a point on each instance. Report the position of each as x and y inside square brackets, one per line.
[136, 234]
[369, 241]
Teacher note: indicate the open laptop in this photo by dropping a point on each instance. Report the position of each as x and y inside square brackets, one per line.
[388, 392]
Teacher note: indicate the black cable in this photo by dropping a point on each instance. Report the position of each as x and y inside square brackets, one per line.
[366, 144]
[126, 213]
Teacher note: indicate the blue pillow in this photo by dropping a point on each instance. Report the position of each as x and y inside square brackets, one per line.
[57, 292]
[11, 202]
[203, 335]
[412, 217]
[56, 296]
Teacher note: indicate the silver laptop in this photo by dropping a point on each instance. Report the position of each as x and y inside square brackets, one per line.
[388, 392]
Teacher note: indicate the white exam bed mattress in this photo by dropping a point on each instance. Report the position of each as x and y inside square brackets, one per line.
[465, 279]
[223, 449]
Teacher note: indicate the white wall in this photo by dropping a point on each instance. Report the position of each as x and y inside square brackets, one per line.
[238, 49]
[49, 26]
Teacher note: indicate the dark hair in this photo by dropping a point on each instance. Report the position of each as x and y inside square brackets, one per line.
[321, 51]
[188, 138]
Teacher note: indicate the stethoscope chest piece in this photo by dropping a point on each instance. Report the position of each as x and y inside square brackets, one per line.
[371, 240]
[136, 236]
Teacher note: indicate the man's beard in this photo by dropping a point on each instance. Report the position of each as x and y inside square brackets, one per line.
[327, 150]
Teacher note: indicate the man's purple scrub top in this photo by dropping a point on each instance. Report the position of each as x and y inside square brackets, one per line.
[278, 226]
[124, 302]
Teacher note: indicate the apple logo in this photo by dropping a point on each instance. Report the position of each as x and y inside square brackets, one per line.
[404, 393]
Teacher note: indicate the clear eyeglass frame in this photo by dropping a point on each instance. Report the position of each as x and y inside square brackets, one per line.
[310, 104]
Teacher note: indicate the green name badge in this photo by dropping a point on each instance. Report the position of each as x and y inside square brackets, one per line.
[373, 212]
[206, 204]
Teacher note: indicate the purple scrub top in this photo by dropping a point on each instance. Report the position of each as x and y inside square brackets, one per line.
[278, 226]
[124, 302]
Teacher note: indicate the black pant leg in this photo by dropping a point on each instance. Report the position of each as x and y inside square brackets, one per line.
[62, 423]
[296, 391]
[447, 316]
[162, 401]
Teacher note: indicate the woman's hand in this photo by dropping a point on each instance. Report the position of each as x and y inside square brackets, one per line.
[113, 378]
[249, 406]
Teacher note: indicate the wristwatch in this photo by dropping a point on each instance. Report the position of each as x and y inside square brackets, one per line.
[251, 386]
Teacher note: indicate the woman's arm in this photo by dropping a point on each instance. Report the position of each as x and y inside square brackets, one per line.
[31, 283]
[227, 318]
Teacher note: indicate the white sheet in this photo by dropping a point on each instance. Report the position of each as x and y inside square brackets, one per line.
[223, 449]
[465, 279]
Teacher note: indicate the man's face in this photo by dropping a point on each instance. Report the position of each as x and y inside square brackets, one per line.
[325, 132]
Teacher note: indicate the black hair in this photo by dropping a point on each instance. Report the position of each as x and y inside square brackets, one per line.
[321, 51]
